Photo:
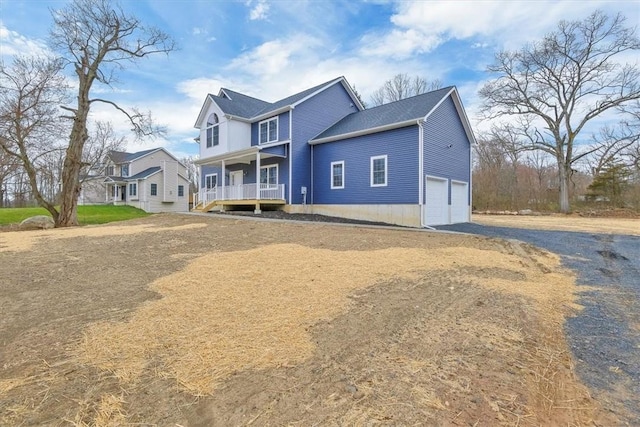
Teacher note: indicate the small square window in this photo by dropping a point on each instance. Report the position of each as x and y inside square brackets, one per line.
[268, 130]
[154, 189]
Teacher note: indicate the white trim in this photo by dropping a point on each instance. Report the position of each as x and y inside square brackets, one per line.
[290, 157]
[363, 132]
[267, 121]
[337, 187]
[205, 180]
[386, 170]
[271, 113]
[267, 167]
[274, 144]
[132, 196]
[228, 156]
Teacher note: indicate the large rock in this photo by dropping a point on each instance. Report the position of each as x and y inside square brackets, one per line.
[38, 222]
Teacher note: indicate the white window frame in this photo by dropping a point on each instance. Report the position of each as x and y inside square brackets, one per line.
[151, 189]
[386, 170]
[337, 187]
[269, 120]
[180, 187]
[133, 190]
[277, 175]
[206, 178]
[210, 126]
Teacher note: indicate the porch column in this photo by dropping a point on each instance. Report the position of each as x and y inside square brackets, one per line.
[257, 209]
[106, 194]
[223, 180]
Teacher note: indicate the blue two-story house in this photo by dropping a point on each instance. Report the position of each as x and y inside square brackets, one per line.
[319, 151]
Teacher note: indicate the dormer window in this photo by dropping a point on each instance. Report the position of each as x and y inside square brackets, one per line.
[213, 130]
[269, 130]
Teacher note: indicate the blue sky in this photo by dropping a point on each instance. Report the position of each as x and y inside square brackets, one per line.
[271, 49]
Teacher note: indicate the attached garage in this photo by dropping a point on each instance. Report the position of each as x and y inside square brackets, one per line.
[459, 202]
[436, 202]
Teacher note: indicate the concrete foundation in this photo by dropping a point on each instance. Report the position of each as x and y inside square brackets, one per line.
[406, 215]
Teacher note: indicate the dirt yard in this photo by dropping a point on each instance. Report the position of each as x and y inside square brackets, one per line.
[179, 320]
[630, 226]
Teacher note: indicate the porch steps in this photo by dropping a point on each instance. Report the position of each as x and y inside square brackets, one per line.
[205, 208]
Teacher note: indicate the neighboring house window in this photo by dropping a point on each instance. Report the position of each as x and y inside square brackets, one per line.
[379, 171]
[125, 170]
[269, 175]
[211, 181]
[180, 190]
[111, 170]
[133, 189]
[269, 130]
[154, 189]
[337, 175]
[213, 131]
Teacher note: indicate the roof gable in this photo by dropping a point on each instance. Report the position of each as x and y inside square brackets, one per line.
[252, 109]
[387, 116]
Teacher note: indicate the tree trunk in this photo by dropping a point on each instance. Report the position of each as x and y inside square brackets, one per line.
[564, 172]
[72, 165]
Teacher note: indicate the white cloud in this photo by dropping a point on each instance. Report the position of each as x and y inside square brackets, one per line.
[260, 11]
[13, 43]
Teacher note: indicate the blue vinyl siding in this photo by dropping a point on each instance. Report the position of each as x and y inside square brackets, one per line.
[209, 170]
[444, 128]
[309, 119]
[279, 150]
[283, 128]
[401, 148]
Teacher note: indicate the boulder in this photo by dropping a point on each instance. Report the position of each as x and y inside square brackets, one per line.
[525, 212]
[38, 222]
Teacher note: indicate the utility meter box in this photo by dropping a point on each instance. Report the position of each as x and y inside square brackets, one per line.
[303, 190]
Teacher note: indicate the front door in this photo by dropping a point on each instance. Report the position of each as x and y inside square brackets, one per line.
[235, 182]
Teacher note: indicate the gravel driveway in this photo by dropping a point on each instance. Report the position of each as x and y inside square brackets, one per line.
[605, 336]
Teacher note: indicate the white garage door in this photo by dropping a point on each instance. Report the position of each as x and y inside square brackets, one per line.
[436, 209]
[459, 204]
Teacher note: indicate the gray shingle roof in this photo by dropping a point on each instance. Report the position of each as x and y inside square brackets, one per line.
[124, 157]
[404, 110]
[145, 173]
[248, 107]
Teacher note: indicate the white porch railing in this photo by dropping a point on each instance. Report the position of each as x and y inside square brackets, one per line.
[239, 192]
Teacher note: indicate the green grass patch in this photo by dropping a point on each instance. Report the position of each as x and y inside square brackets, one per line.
[88, 214]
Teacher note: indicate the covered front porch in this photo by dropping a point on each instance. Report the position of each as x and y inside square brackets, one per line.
[254, 176]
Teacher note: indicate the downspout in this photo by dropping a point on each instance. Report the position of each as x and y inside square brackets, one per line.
[291, 151]
[421, 173]
[311, 187]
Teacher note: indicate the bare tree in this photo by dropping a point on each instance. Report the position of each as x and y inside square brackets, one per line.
[556, 86]
[193, 172]
[31, 90]
[97, 37]
[402, 86]
[101, 141]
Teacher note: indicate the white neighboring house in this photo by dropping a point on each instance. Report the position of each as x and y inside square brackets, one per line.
[151, 180]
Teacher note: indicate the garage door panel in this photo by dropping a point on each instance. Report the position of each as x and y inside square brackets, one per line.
[459, 202]
[436, 210]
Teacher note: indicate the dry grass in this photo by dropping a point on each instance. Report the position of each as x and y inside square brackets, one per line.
[628, 226]
[228, 312]
[20, 241]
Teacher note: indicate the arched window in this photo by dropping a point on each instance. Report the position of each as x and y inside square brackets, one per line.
[213, 130]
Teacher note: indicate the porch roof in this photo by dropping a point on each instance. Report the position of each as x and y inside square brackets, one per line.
[245, 156]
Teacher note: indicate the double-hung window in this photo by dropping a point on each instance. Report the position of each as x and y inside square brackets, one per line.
[268, 130]
[213, 131]
[180, 190]
[337, 175]
[269, 176]
[154, 189]
[379, 171]
[133, 189]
